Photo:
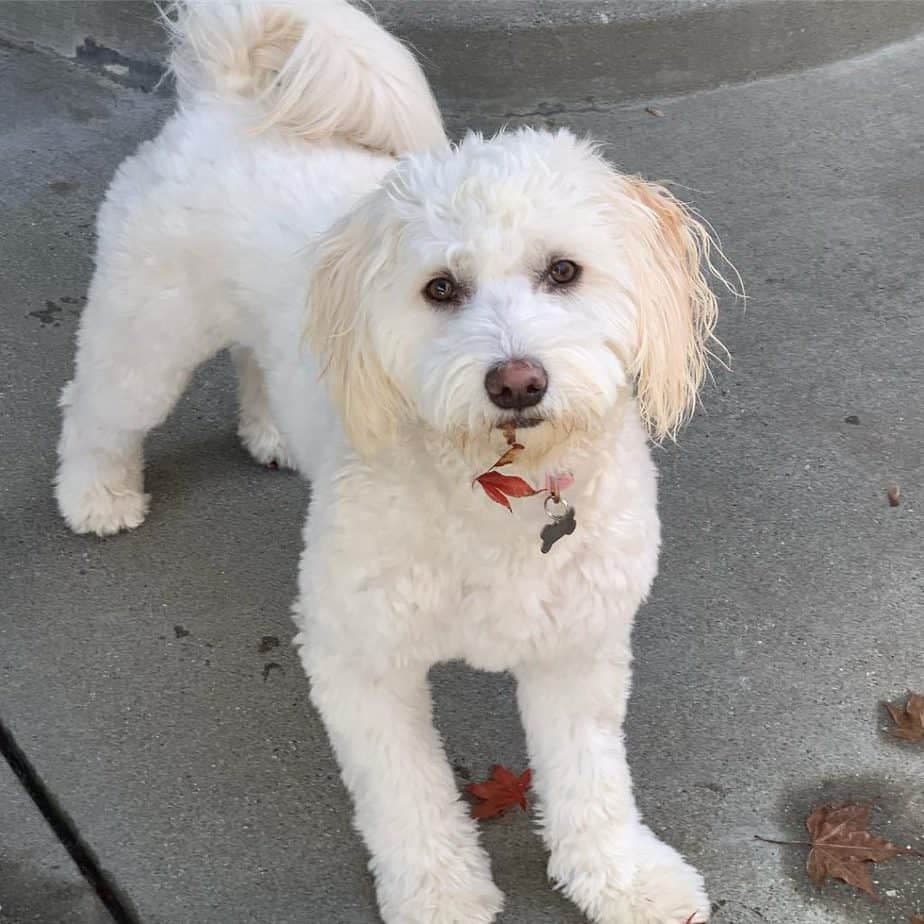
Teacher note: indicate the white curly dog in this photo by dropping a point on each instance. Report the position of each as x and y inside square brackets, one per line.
[396, 308]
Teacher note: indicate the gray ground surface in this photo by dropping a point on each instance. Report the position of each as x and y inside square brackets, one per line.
[501, 58]
[789, 604]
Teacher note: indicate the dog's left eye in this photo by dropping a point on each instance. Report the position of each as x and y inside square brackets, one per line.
[563, 272]
[441, 289]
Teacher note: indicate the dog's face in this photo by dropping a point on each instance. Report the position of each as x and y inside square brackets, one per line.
[512, 281]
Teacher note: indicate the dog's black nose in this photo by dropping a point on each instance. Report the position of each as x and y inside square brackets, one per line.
[516, 384]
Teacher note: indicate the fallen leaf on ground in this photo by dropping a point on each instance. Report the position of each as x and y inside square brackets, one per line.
[908, 717]
[500, 792]
[918, 919]
[844, 848]
[895, 495]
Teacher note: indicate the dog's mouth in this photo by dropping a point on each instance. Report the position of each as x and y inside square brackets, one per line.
[519, 423]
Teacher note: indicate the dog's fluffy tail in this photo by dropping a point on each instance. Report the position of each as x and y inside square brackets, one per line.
[318, 69]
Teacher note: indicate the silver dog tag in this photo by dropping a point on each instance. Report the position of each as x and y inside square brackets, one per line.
[564, 523]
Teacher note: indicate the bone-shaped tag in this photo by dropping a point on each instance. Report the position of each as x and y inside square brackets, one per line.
[561, 526]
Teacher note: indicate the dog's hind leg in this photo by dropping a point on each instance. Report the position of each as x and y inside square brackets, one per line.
[134, 358]
[256, 427]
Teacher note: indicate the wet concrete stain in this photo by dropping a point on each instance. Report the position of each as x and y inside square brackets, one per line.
[55, 312]
[84, 114]
[31, 895]
[898, 816]
[731, 911]
[138, 75]
[462, 771]
[271, 666]
[63, 187]
[267, 644]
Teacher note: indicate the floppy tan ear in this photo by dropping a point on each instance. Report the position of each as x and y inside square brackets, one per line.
[668, 249]
[350, 260]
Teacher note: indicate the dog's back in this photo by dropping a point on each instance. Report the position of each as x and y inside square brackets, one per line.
[289, 111]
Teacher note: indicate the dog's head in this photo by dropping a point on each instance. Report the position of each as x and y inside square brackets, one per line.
[516, 280]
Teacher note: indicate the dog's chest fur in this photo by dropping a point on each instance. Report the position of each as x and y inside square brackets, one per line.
[399, 563]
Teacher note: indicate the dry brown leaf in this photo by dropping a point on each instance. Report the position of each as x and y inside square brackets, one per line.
[908, 717]
[918, 919]
[844, 848]
[509, 456]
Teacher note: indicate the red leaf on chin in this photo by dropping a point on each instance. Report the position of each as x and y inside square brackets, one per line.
[500, 487]
[496, 495]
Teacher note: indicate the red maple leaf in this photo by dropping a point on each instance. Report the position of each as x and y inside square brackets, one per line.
[500, 487]
[500, 792]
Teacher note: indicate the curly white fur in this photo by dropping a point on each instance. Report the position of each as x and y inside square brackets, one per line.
[270, 216]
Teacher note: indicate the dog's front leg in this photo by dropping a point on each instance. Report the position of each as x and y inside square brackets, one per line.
[427, 863]
[602, 856]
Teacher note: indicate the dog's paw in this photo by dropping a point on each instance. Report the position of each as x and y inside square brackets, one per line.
[265, 444]
[448, 895]
[103, 510]
[648, 882]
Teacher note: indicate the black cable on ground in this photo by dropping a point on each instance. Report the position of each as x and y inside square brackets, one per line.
[115, 902]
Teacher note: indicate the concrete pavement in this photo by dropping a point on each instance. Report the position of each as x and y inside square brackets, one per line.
[504, 57]
[141, 673]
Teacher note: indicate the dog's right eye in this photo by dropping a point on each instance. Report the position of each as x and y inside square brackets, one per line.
[441, 289]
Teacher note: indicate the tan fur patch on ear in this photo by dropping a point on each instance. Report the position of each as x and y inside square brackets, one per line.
[338, 327]
[677, 310]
